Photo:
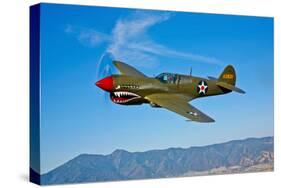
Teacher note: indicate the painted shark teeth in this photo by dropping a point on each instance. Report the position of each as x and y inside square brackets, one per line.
[123, 96]
[125, 93]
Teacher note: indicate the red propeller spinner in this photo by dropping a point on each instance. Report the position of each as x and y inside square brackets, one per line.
[105, 83]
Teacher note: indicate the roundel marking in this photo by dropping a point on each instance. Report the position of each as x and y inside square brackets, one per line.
[202, 87]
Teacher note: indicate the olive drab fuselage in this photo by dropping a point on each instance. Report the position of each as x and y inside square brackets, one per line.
[181, 84]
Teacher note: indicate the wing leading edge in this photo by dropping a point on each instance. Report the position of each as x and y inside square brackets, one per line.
[178, 104]
[127, 69]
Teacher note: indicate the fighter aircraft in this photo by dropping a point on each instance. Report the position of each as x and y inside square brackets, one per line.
[167, 90]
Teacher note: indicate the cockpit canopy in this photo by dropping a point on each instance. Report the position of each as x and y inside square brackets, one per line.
[167, 78]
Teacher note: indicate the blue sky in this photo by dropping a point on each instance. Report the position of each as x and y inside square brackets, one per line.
[76, 118]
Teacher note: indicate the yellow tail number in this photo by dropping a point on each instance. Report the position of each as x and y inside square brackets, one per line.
[227, 76]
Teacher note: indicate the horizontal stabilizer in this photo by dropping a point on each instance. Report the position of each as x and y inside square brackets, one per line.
[230, 87]
[212, 78]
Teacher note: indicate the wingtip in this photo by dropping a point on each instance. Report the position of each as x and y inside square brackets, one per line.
[241, 91]
[207, 121]
[117, 62]
[210, 121]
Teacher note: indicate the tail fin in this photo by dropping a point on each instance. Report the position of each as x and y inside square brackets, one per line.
[228, 75]
[227, 80]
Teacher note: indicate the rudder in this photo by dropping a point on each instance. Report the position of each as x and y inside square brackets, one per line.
[228, 75]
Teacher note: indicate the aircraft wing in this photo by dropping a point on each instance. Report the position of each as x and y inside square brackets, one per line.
[178, 104]
[127, 69]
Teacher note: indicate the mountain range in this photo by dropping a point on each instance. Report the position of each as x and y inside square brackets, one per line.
[237, 156]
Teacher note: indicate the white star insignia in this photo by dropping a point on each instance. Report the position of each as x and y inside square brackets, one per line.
[202, 88]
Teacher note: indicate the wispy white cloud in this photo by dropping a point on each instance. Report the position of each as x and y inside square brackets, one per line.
[86, 36]
[129, 32]
[158, 49]
[130, 42]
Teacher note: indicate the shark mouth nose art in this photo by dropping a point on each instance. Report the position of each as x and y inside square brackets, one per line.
[123, 96]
